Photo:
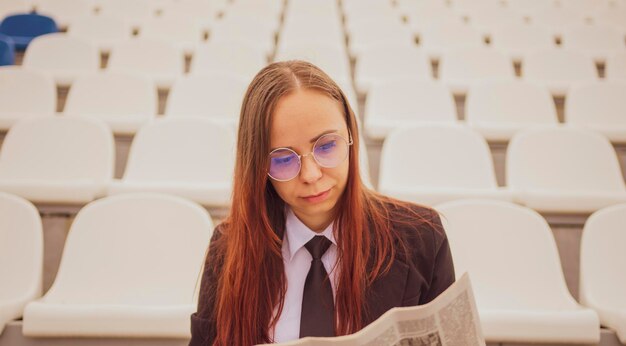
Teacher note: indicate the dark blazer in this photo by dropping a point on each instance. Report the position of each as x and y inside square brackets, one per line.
[412, 280]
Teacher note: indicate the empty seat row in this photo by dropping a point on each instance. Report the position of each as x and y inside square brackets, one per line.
[135, 12]
[72, 160]
[184, 26]
[66, 58]
[125, 101]
[497, 109]
[520, 298]
[440, 28]
[564, 170]
[557, 69]
[553, 170]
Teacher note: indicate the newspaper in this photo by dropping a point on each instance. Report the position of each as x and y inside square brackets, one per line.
[449, 320]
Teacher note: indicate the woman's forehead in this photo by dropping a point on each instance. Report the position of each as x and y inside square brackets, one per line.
[304, 114]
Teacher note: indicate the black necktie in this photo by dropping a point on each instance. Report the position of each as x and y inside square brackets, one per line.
[317, 317]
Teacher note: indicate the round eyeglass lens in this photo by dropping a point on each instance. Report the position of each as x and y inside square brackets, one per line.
[284, 164]
[330, 150]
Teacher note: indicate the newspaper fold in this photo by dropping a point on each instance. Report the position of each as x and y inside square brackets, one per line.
[451, 319]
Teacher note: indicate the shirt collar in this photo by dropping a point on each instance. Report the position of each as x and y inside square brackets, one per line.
[297, 234]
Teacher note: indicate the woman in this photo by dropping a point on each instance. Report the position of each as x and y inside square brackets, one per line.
[307, 249]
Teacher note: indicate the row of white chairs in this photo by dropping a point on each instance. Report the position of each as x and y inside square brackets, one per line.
[124, 101]
[440, 28]
[137, 13]
[72, 160]
[557, 69]
[65, 58]
[496, 109]
[554, 170]
[492, 12]
[188, 35]
[520, 298]
[526, 6]
[562, 170]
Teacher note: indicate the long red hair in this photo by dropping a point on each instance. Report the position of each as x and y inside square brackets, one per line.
[249, 294]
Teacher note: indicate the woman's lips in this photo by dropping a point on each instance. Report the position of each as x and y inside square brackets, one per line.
[317, 198]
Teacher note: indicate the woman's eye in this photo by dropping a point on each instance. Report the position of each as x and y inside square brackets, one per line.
[328, 145]
[283, 159]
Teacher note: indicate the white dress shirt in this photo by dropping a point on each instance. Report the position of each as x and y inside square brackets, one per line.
[297, 261]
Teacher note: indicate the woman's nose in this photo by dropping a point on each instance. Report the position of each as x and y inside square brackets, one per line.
[310, 171]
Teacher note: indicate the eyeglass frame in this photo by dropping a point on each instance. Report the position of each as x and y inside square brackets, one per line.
[349, 142]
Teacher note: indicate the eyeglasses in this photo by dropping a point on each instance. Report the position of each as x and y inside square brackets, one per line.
[328, 151]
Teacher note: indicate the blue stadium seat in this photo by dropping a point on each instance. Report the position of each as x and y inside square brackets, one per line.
[22, 28]
[7, 50]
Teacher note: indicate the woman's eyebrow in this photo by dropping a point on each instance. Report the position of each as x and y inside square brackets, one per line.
[312, 140]
[321, 134]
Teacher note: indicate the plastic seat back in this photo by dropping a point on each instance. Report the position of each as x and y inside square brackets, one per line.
[64, 149]
[436, 156]
[188, 150]
[562, 159]
[507, 250]
[133, 249]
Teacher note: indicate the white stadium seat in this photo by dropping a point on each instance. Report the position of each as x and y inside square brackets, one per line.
[558, 69]
[557, 19]
[158, 60]
[563, 170]
[215, 96]
[246, 28]
[519, 39]
[181, 32]
[521, 298]
[124, 101]
[189, 157]
[462, 68]
[234, 57]
[70, 162]
[597, 41]
[25, 93]
[103, 31]
[424, 14]
[431, 164]
[21, 256]
[308, 30]
[402, 103]
[105, 289]
[368, 32]
[62, 56]
[599, 106]
[439, 38]
[200, 12]
[384, 63]
[602, 261]
[488, 19]
[499, 109]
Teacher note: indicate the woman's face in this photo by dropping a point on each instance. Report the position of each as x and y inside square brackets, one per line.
[299, 119]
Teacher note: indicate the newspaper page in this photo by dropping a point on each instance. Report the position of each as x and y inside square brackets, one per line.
[451, 319]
